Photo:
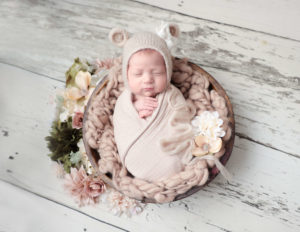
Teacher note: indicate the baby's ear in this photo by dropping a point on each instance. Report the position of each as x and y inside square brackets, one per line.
[174, 30]
[118, 36]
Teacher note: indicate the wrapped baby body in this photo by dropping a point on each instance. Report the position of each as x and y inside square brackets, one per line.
[157, 147]
[151, 119]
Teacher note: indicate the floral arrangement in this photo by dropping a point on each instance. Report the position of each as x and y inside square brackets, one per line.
[208, 133]
[66, 145]
[68, 152]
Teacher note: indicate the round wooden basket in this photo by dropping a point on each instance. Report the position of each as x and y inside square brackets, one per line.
[94, 156]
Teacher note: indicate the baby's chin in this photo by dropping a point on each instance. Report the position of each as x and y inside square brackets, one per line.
[149, 94]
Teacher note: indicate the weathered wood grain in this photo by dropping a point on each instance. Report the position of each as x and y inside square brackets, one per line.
[45, 36]
[272, 16]
[33, 213]
[268, 115]
[263, 194]
[260, 73]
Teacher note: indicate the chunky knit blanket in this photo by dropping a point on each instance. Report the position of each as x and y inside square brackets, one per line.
[99, 134]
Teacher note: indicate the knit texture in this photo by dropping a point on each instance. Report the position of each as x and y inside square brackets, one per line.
[196, 89]
[145, 40]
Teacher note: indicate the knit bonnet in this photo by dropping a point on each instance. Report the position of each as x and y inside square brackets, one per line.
[140, 41]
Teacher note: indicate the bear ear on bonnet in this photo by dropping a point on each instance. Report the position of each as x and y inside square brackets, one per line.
[174, 30]
[169, 32]
[118, 36]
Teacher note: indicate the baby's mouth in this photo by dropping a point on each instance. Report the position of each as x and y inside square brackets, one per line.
[148, 89]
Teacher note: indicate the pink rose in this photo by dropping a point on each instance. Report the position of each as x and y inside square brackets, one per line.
[77, 120]
[86, 189]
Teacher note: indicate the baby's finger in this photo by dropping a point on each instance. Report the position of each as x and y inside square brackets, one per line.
[152, 103]
[151, 99]
[148, 107]
[145, 113]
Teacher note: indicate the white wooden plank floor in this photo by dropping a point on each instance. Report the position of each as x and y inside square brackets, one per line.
[276, 17]
[259, 70]
[43, 215]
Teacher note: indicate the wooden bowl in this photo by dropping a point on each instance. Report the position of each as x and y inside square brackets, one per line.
[94, 156]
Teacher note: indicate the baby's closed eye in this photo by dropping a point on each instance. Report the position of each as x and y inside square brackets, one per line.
[158, 72]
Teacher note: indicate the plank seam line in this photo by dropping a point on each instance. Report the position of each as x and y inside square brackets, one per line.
[39, 74]
[242, 74]
[221, 228]
[242, 136]
[217, 22]
[46, 198]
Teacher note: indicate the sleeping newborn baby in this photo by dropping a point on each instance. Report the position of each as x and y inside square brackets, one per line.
[151, 119]
[147, 77]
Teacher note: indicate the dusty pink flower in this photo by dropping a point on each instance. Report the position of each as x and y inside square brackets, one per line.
[104, 64]
[77, 120]
[86, 189]
[120, 204]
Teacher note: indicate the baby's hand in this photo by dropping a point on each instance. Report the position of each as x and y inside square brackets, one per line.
[145, 106]
[145, 113]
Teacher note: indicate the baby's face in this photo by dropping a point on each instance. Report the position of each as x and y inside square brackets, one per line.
[147, 75]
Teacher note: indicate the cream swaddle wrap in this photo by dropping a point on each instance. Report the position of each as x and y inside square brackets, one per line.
[156, 147]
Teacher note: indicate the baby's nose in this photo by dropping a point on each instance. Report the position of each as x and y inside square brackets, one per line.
[148, 78]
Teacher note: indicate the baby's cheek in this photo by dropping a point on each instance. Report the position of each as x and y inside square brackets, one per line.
[133, 85]
[161, 85]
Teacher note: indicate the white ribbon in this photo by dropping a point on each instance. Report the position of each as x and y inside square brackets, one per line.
[220, 166]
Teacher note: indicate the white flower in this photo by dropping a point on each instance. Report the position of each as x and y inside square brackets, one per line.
[82, 80]
[80, 144]
[205, 145]
[120, 204]
[63, 116]
[84, 158]
[208, 124]
[78, 108]
[207, 130]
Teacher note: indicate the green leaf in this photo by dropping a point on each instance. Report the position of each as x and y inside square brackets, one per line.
[63, 139]
[65, 160]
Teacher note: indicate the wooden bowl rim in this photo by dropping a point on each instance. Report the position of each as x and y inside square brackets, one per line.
[92, 153]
